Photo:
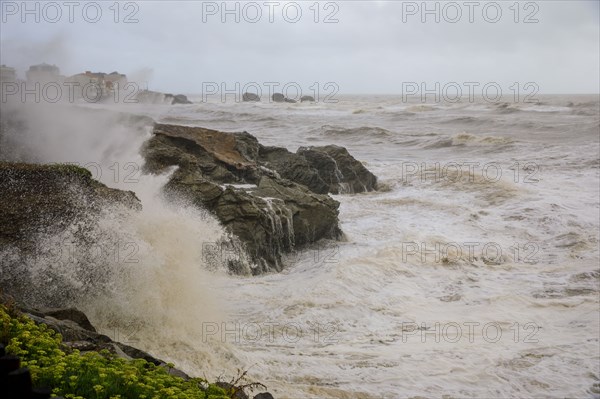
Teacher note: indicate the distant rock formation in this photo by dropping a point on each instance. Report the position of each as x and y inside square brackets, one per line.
[307, 98]
[177, 99]
[250, 97]
[278, 97]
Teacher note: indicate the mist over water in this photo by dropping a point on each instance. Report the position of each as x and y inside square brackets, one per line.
[372, 315]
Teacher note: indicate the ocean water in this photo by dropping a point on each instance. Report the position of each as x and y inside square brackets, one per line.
[473, 272]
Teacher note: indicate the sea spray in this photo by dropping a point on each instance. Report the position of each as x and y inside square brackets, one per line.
[163, 302]
[140, 275]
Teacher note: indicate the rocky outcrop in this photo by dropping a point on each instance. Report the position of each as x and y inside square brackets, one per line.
[46, 211]
[71, 314]
[307, 98]
[78, 333]
[250, 97]
[278, 97]
[340, 170]
[231, 175]
[177, 99]
[272, 200]
[293, 167]
[48, 198]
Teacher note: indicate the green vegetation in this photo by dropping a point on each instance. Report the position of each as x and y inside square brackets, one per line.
[59, 168]
[92, 375]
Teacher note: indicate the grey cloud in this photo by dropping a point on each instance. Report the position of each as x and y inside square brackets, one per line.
[370, 50]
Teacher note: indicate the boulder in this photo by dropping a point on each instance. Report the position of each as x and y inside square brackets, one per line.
[177, 99]
[72, 314]
[278, 97]
[250, 97]
[294, 167]
[290, 100]
[180, 99]
[274, 213]
[307, 98]
[76, 336]
[340, 170]
[45, 202]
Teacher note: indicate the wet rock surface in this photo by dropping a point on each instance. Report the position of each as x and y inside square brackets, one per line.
[271, 199]
[340, 170]
[46, 212]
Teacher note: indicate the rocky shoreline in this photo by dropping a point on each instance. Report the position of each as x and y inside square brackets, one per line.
[271, 201]
[79, 336]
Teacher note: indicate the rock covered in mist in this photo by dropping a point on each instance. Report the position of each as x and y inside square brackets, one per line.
[272, 216]
[177, 99]
[46, 197]
[340, 170]
[250, 97]
[44, 202]
[307, 98]
[280, 98]
[155, 97]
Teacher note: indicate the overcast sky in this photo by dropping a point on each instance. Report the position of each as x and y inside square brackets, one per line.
[374, 47]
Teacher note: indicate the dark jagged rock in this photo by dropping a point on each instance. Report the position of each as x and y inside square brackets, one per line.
[283, 204]
[231, 389]
[278, 97]
[294, 167]
[339, 169]
[329, 173]
[271, 218]
[177, 99]
[181, 99]
[72, 314]
[250, 97]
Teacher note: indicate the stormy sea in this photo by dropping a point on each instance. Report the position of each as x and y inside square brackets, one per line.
[471, 271]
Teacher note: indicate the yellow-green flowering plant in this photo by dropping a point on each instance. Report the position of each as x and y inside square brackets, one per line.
[92, 375]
